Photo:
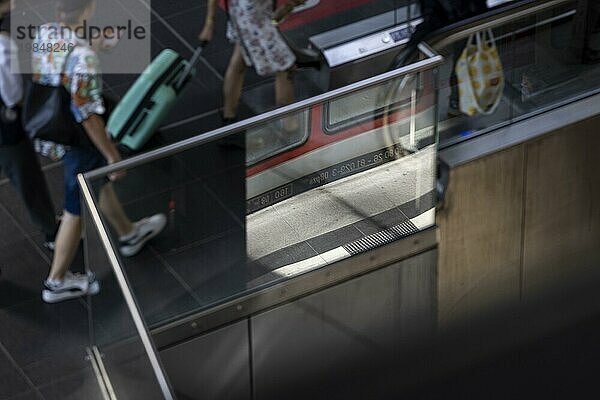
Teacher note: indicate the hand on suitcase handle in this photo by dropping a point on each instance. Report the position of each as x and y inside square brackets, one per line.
[282, 12]
[207, 34]
[117, 175]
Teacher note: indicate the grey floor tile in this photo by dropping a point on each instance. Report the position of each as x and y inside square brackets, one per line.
[164, 37]
[213, 160]
[29, 395]
[12, 382]
[380, 222]
[214, 270]
[150, 179]
[10, 232]
[280, 258]
[196, 216]
[111, 320]
[158, 294]
[334, 239]
[130, 372]
[66, 364]
[260, 95]
[40, 331]
[167, 8]
[188, 24]
[23, 273]
[112, 81]
[194, 126]
[83, 385]
[200, 96]
[13, 204]
[418, 206]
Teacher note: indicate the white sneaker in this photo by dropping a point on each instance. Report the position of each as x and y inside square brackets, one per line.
[70, 287]
[145, 230]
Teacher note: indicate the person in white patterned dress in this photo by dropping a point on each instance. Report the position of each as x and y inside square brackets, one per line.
[259, 44]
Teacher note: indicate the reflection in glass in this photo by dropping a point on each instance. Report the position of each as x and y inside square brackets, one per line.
[544, 65]
[281, 197]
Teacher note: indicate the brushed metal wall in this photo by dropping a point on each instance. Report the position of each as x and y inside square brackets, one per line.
[325, 345]
[213, 366]
[321, 345]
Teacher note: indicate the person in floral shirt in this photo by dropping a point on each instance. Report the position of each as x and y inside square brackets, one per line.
[79, 66]
[61, 59]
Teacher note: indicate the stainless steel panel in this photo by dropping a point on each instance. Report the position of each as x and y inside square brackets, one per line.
[346, 33]
[328, 343]
[215, 366]
[357, 51]
[370, 45]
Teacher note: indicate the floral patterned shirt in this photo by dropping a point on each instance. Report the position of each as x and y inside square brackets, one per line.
[81, 77]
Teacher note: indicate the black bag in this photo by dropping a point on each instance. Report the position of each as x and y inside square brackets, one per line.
[47, 114]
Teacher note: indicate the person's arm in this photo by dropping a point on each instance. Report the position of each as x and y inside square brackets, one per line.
[11, 84]
[86, 92]
[286, 9]
[96, 131]
[209, 23]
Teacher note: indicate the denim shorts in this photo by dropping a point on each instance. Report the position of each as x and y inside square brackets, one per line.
[78, 160]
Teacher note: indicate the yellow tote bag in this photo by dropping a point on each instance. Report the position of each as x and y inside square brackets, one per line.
[480, 75]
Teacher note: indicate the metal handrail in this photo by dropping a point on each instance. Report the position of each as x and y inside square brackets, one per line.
[132, 305]
[494, 20]
[419, 66]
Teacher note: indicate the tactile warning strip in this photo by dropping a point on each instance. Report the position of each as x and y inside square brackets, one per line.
[381, 238]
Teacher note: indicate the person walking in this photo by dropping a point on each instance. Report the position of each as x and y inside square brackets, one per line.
[258, 43]
[77, 70]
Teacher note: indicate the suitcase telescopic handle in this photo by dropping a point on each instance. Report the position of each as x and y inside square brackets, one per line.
[187, 72]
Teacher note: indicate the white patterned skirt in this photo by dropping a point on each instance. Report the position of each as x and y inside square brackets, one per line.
[262, 45]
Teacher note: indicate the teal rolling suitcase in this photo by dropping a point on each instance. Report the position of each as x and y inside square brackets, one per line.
[148, 102]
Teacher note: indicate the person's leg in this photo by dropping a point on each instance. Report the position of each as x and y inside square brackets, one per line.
[61, 283]
[284, 94]
[284, 87]
[113, 210]
[69, 233]
[23, 169]
[233, 83]
[67, 242]
[132, 236]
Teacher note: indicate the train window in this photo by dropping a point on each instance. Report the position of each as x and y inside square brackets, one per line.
[366, 105]
[276, 137]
